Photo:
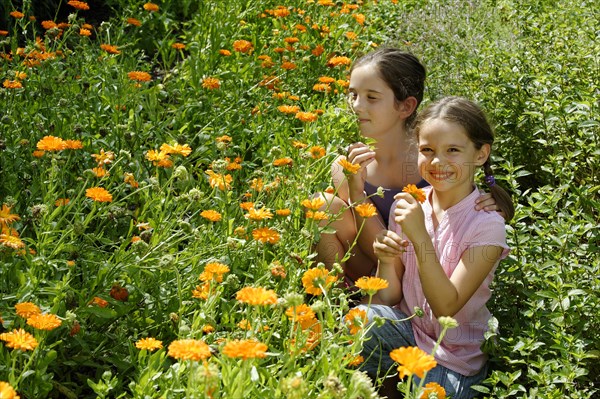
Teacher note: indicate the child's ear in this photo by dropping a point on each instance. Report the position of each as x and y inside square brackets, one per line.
[408, 106]
[483, 154]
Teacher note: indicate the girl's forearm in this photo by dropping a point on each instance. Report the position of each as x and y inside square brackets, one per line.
[389, 271]
[441, 294]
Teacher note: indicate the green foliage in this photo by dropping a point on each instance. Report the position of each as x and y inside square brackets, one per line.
[533, 67]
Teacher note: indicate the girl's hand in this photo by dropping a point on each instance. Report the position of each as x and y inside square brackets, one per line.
[487, 202]
[388, 246]
[409, 215]
[362, 154]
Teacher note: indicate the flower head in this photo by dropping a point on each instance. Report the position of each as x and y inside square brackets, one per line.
[245, 349]
[222, 182]
[258, 214]
[211, 215]
[214, 271]
[150, 344]
[371, 284]
[19, 339]
[433, 390]
[355, 320]
[313, 203]
[256, 296]
[301, 314]
[412, 360]
[315, 280]
[211, 83]
[348, 166]
[317, 152]
[266, 235]
[98, 194]
[46, 322]
[286, 161]
[242, 46]
[366, 210]
[80, 5]
[110, 49]
[306, 116]
[6, 217]
[51, 143]
[189, 349]
[417, 193]
[27, 309]
[16, 14]
[151, 7]
[139, 76]
[12, 84]
[7, 391]
[11, 241]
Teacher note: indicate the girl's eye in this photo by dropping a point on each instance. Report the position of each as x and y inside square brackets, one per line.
[453, 150]
[425, 149]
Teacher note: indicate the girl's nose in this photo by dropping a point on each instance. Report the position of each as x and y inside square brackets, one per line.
[357, 104]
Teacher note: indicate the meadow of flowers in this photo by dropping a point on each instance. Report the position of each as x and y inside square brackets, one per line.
[157, 171]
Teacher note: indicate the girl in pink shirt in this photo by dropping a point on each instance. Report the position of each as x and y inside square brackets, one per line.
[441, 255]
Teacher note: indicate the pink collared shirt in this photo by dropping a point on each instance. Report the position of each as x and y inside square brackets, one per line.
[461, 228]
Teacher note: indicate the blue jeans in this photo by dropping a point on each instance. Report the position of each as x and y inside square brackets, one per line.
[394, 334]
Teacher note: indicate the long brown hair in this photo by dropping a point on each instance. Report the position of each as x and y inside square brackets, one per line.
[471, 117]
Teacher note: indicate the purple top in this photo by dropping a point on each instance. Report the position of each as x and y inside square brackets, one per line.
[384, 204]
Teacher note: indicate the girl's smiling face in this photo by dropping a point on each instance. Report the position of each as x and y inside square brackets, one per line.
[447, 157]
[374, 103]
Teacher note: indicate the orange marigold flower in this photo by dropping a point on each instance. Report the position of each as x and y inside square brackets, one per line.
[258, 214]
[6, 217]
[119, 292]
[317, 215]
[286, 161]
[62, 202]
[266, 235]
[337, 61]
[223, 139]
[283, 212]
[299, 144]
[355, 360]
[351, 35]
[412, 360]
[417, 193]
[433, 390]
[3, 33]
[281, 12]
[316, 280]
[301, 314]
[257, 184]
[211, 83]
[104, 157]
[318, 50]
[80, 5]
[11, 241]
[245, 349]
[207, 329]
[7, 391]
[139, 76]
[317, 152]
[247, 205]
[151, 7]
[242, 46]
[189, 349]
[366, 210]
[48, 25]
[225, 52]
[278, 270]
[46, 322]
[211, 215]
[177, 149]
[156, 156]
[85, 32]
[12, 84]
[98, 194]
[202, 291]
[178, 46]
[348, 166]
[306, 116]
[51, 143]
[222, 182]
[256, 296]
[19, 339]
[73, 145]
[150, 344]
[289, 109]
[360, 18]
[214, 271]
[110, 49]
[99, 302]
[289, 66]
[38, 153]
[322, 87]
[100, 172]
[313, 203]
[27, 309]
[134, 22]
[130, 179]
[355, 320]
[17, 14]
[371, 284]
